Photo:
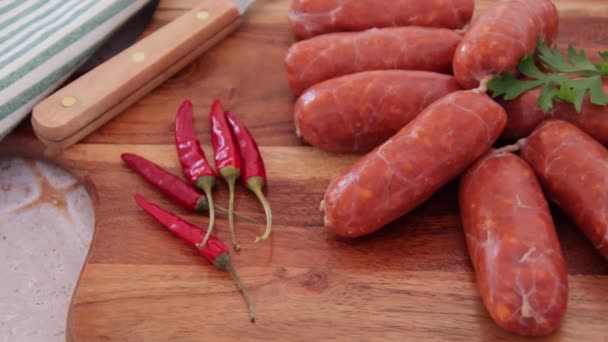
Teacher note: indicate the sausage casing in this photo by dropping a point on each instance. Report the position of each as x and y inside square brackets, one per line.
[501, 37]
[519, 266]
[313, 17]
[409, 48]
[573, 169]
[361, 111]
[406, 170]
[523, 115]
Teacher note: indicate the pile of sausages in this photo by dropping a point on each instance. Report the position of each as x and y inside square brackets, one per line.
[403, 91]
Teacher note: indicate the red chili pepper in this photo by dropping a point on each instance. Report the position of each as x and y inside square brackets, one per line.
[253, 170]
[170, 185]
[227, 160]
[192, 158]
[215, 251]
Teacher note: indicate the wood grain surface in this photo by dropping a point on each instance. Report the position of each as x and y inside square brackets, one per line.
[411, 281]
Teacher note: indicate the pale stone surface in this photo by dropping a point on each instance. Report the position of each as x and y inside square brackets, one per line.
[57, 177]
[46, 226]
[17, 184]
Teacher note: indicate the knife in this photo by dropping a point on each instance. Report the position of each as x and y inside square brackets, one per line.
[92, 100]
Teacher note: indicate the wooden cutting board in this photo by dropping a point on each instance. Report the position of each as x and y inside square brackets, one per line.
[413, 280]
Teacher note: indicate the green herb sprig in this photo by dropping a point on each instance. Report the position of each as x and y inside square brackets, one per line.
[566, 80]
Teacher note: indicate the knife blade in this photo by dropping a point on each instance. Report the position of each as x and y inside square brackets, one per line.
[90, 101]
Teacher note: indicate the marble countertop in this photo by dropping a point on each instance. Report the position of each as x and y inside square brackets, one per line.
[46, 226]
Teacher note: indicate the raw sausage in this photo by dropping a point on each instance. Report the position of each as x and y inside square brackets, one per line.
[573, 169]
[410, 48]
[520, 269]
[361, 111]
[358, 112]
[501, 37]
[524, 115]
[405, 171]
[313, 17]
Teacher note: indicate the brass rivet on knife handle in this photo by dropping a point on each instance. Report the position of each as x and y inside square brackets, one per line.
[202, 15]
[138, 57]
[119, 82]
[68, 101]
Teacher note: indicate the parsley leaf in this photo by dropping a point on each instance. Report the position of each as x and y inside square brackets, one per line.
[528, 68]
[545, 100]
[603, 67]
[510, 87]
[596, 91]
[565, 79]
[567, 93]
[553, 60]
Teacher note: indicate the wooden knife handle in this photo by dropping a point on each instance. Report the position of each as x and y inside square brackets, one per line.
[88, 102]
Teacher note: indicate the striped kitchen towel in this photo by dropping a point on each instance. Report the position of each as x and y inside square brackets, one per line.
[42, 42]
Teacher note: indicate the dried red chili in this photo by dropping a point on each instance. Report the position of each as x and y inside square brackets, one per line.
[170, 185]
[252, 168]
[215, 251]
[227, 160]
[192, 158]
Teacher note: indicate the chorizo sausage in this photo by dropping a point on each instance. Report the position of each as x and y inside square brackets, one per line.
[313, 17]
[406, 170]
[573, 169]
[519, 266]
[361, 111]
[501, 37]
[523, 115]
[410, 48]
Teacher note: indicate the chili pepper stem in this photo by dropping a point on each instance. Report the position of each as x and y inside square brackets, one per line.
[203, 206]
[255, 184]
[237, 214]
[230, 174]
[206, 183]
[223, 262]
[231, 182]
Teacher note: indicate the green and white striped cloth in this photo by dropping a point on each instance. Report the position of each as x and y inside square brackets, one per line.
[42, 42]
